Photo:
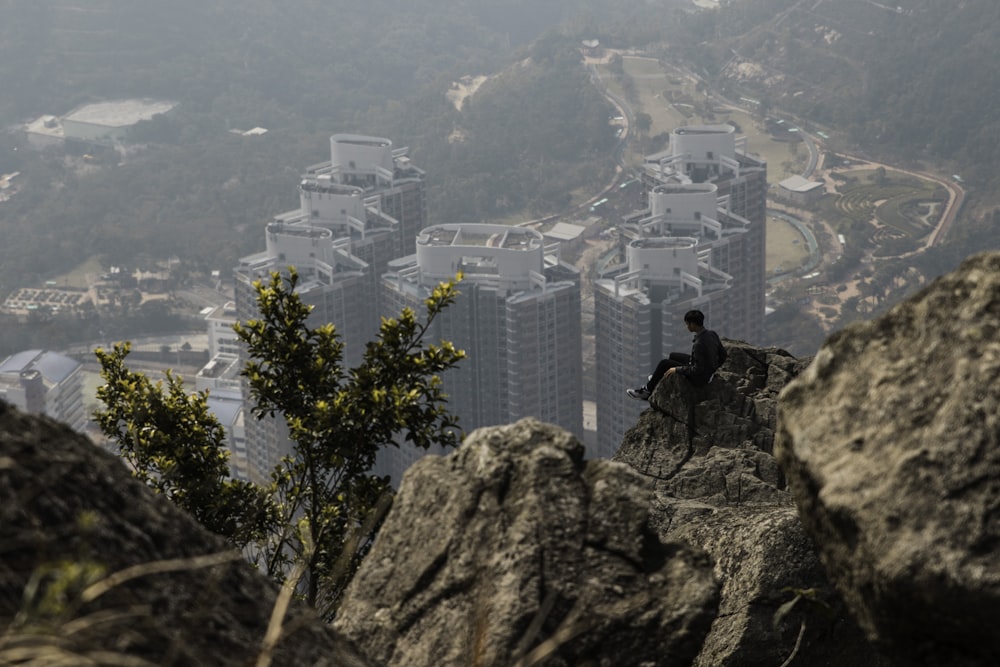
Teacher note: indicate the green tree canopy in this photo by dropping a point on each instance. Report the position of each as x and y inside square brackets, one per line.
[338, 420]
[643, 122]
[322, 507]
[176, 446]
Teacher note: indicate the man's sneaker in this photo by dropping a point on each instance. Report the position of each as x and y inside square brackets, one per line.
[639, 393]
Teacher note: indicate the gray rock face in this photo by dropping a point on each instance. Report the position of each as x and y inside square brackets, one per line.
[718, 487]
[62, 500]
[891, 441]
[736, 411]
[513, 540]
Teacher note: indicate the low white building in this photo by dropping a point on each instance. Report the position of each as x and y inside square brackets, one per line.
[568, 235]
[46, 383]
[220, 377]
[101, 122]
[801, 191]
[227, 406]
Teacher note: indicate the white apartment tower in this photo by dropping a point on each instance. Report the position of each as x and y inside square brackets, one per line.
[686, 251]
[357, 212]
[517, 318]
[713, 154]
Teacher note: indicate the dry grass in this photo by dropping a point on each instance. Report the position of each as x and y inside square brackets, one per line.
[49, 633]
[782, 250]
[654, 83]
[77, 277]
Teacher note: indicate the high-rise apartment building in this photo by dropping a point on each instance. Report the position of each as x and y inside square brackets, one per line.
[357, 212]
[701, 154]
[517, 318]
[699, 244]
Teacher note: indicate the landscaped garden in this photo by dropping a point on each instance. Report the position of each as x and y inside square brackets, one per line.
[893, 211]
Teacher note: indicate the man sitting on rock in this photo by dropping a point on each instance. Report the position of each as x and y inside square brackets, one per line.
[707, 355]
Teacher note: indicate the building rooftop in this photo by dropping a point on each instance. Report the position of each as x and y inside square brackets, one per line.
[47, 125]
[118, 113]
[226, 409]
[564, 231]
[686, 188]
[325, 185]
[799, 184]
[481, 235]
[227, 311]
[53, 366]
[666, 242]
[361, 140]
[721, 128]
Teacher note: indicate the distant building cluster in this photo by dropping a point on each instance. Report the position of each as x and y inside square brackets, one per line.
[357, 212]
[363, 247]
[66, 302]
[50, 299]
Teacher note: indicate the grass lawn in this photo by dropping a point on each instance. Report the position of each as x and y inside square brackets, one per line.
[783, 159]
[655, 85]
[77, 277]
[652, 83]
[786, 247]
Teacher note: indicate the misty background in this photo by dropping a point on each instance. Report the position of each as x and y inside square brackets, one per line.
[911, 84]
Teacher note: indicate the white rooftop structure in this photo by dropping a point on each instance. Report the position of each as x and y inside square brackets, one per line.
[118, 113]
[799, 184]
[513, 257]
[564, 231]
[100, 122]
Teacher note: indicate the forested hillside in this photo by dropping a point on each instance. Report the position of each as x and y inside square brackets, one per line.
[909, 78]
[323, 60]
[908, 83]
[326, 60]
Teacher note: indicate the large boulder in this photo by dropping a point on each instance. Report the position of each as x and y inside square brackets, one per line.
[178, 595]
[708, 452]
[737, 411]
[512, 544]
[891, 444]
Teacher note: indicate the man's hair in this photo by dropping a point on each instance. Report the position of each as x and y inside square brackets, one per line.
[695, 317]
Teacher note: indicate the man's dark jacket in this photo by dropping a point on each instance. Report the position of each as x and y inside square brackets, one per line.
[707, 354]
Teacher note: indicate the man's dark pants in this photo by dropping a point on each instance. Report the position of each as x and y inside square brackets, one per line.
[675, 360]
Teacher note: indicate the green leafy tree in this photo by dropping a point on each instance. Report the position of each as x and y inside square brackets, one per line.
[643, 122]
[338, 420]
[321, 509]
[176, 446]
[616, 65]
